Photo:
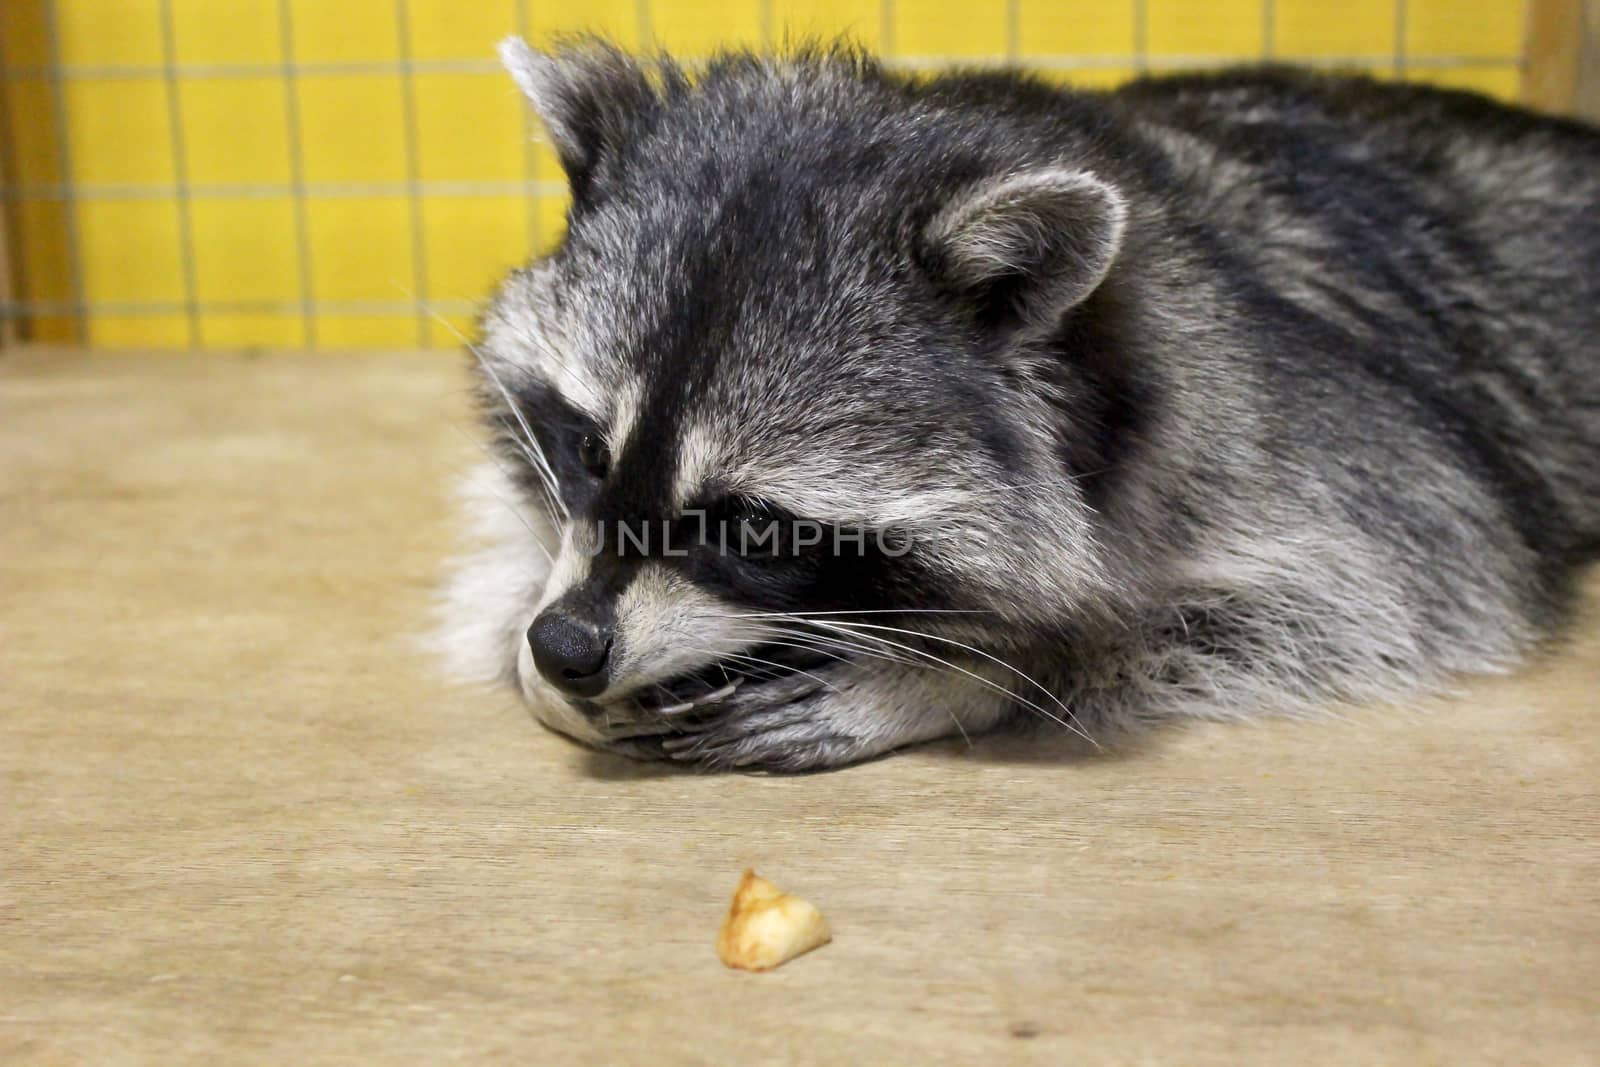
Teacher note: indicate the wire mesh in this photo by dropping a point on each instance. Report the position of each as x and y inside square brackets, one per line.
[199, 173]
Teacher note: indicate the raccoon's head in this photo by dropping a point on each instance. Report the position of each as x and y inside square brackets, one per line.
[784, 405]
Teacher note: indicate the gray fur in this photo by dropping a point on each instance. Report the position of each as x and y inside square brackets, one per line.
[1210, 396]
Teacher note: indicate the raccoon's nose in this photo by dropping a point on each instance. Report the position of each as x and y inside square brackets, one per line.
[573, 655]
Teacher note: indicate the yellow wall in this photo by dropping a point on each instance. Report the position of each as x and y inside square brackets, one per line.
[307, 172]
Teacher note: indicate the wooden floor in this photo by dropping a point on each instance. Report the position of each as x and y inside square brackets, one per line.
[242, 820]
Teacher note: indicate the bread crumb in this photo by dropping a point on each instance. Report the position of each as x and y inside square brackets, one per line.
[766, 926]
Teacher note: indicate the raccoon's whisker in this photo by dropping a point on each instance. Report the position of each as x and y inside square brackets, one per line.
[537, 538]
[537, 339]
[857, 649]
[740, 642]
[804, 645]
[818, 641]
[805, 630]
[800, 633]
[803, 619]
[798, 615]
[552, 496]
[529, 443]
[786, 668]
[938, 662]
[512, 507]
[547, 483]
[762, 669]
[986, 655]
[466, 343]
[541, 464]
[783, 667]
[1070, 722]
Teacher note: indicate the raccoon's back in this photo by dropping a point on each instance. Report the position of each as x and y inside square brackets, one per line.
[1438, 229]
[1363, 159]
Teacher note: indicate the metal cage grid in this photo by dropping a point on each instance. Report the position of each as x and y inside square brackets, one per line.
[293, 173]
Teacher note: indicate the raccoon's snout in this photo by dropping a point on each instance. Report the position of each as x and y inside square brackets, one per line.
[572, 654]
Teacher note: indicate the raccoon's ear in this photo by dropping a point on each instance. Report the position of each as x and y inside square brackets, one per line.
[587, 94]
[1028, 247]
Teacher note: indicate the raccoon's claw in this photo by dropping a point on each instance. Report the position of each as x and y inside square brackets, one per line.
[680, 707]
[689, 726]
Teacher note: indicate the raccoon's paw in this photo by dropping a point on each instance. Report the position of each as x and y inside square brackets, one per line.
[798, 736]
[852, 719]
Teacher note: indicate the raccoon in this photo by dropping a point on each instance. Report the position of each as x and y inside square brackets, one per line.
[858, 409]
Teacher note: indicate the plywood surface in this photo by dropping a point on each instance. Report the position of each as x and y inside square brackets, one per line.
[243, 821]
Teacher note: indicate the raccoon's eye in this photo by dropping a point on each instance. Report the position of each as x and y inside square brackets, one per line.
[748, 512]
[755, 528]
[594, 455]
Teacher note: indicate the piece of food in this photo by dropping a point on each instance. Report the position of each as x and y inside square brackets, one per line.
[766, 926]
